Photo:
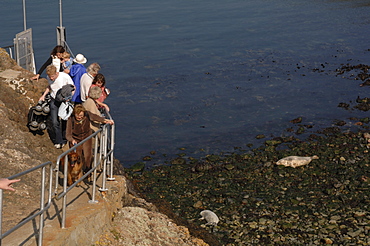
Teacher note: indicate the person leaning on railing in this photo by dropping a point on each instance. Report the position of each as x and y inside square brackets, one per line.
[78, 129]
[92, 106]
[87, 78]
[54, 59]
[99, 81]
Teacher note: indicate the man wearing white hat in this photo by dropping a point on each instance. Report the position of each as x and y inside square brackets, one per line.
[77, 70]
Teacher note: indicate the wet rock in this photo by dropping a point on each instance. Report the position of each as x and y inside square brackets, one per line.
[137, 167]
[178, 161]
[296, 120]
[198, 204]
[147, 158]
[327, 241]
[343, 105]
[202, 166]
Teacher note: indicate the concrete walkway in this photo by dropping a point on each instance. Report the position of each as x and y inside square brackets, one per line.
[85, 221]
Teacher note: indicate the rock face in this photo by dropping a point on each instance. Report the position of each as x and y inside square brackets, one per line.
[19, 149]
[138, 223]
[136, 226]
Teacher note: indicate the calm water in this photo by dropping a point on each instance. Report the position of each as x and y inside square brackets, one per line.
[208, 75]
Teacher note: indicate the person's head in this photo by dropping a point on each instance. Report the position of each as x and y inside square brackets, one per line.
[52, 73]
[66, 56]
[99, 80]
[58, 51]
[79, 112]
[93, 69]
[95, 92]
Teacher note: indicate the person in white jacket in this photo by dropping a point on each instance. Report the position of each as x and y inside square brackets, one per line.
[86, 80]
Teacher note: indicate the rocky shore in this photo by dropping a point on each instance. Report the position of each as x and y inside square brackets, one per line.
[137, 223]
[261, 203]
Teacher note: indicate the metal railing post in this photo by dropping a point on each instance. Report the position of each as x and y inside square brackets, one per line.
[64, 212]
[103, 148]
[111, 160]
[57, 176]
[94, 177]
[42, 206]
[1, 216]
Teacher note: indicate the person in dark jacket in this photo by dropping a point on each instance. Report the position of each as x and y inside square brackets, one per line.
[54, 59]
[78, 129]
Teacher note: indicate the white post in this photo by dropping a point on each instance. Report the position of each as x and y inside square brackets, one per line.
[60, 14]
[24, 15]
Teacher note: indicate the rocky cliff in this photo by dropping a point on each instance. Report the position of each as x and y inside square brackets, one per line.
[137, 222]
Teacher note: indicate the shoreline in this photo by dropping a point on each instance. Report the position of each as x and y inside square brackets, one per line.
[256, 199]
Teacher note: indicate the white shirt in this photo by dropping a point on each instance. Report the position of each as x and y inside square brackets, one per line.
[56, 62]
[59, 82]
[85, 84]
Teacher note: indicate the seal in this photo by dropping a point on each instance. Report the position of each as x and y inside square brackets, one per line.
[296, 161]
[210, 217]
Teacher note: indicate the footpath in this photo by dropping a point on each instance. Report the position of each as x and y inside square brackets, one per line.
[85, 221]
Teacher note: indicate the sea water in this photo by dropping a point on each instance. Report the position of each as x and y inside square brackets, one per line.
[203, 77]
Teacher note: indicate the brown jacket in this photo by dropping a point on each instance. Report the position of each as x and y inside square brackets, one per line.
[80, 131]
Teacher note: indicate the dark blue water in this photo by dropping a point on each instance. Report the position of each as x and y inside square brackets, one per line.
[207, 76]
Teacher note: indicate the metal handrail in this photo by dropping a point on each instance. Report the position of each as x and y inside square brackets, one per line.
[103, 158]
[103, 132]
[57, 166]
[68, 49]
[10, 51]
[43, 207]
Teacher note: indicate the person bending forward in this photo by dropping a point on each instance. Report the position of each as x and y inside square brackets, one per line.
[78, 129]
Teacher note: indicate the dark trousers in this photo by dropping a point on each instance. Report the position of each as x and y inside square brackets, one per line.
[56, 127]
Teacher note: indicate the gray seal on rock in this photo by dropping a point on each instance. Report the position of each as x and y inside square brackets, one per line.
[210, 217]
[296, 161]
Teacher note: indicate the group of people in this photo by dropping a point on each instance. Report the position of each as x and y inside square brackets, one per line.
[87, 95]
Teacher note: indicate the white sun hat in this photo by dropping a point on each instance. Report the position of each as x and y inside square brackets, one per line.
[80, 59]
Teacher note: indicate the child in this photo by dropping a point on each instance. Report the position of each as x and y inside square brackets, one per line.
[66, 61]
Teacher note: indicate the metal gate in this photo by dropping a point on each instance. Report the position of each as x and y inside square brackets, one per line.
[23, 50]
